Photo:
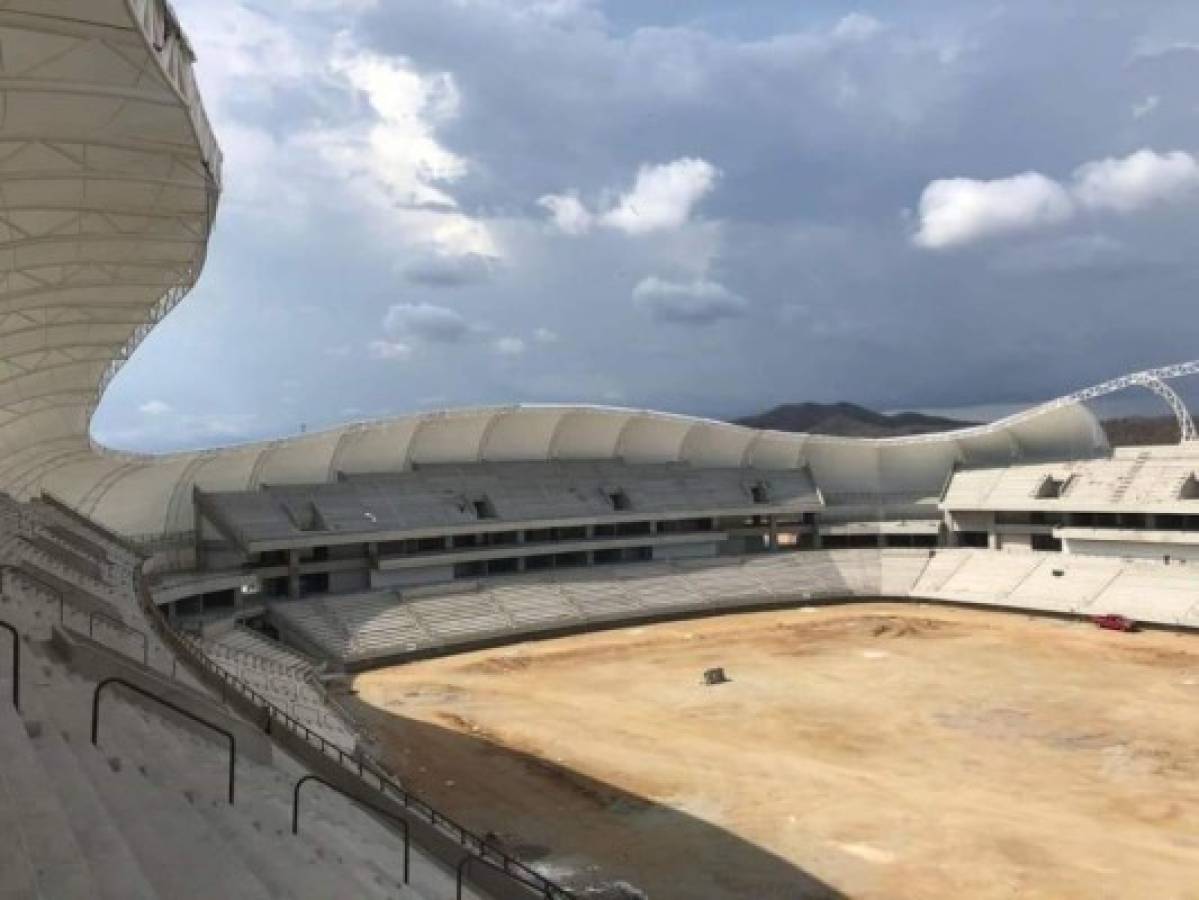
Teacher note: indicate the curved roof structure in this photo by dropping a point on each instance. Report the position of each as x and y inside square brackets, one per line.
[109, 177]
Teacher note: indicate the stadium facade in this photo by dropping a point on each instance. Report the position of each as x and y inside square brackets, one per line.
[423, 533]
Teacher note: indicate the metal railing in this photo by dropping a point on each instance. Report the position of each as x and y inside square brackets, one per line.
[465, 863]
[169, 705]
[370, 773]
[113, 622]
[399, 820]
[16, 664]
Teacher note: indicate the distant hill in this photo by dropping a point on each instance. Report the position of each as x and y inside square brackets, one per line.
[851, 420]
[1136, 431]
[848, 420]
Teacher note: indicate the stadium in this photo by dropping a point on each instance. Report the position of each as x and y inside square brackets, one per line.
[463, 653]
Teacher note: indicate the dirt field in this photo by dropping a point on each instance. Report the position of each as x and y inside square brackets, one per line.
[867, 751]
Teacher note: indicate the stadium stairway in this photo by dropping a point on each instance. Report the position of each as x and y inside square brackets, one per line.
[144, 813]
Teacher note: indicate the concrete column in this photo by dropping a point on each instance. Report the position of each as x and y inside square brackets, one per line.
[992, 540]
[372, 553]
[198, 525]
[774, 533]
[817, 541]
[293, 574]
[880, 539]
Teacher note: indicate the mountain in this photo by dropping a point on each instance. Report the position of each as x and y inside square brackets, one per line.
[1136, 431]
[848, 420]
[851, 420]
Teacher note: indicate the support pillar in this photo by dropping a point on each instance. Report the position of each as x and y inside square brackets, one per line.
[293, 574]
[772, 522]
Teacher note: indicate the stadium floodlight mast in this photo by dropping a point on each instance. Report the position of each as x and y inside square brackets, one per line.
[1150, 379]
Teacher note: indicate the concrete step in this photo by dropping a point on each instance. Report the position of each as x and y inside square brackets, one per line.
[257, 827]
[178, 853]
[117, 872]
[41, 857]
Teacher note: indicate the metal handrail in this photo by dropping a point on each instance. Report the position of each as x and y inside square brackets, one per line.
[169, 705]
[465, 863]
[358, 763]
[113, 620]
[398, 819]
[16, 664]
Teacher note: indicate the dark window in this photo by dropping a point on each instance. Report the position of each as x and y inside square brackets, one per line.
[1189, 489]
[484, 508]
[1051, 488]
[759, 493]
[619, 500]
[1046, 542]
[502, 566]
[972, 538]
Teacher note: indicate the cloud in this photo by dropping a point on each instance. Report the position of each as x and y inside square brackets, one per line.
[545, 336]
[509, 346]
[1137, 181]
[393, 157]
[662, 198]
[155, 408]
[444, 270]
[381, 349]
[1146, 106]
[857, 27]
[957, 211]
[436, 324]
[699, 302]
[568, 213]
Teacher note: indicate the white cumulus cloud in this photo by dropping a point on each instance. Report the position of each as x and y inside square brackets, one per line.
[568, 213]
[545, 336]
[698, 302]
[957, 211]
[662, 198]
[393, 157]
[1139, 180]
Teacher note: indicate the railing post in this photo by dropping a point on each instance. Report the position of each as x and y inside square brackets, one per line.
[169, 705]
[399, 820]
[16, 665]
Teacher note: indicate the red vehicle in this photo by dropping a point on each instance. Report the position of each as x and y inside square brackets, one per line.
[1114, 622]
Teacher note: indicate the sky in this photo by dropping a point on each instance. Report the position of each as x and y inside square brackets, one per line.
[700, 207]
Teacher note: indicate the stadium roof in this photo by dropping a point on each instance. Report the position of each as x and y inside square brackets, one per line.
[110, 177]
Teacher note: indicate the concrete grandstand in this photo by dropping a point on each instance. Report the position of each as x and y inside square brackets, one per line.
[410, 537]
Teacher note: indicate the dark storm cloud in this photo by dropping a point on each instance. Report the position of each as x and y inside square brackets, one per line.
[450, 271]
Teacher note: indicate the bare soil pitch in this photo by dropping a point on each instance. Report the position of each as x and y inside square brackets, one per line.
[875, 750]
